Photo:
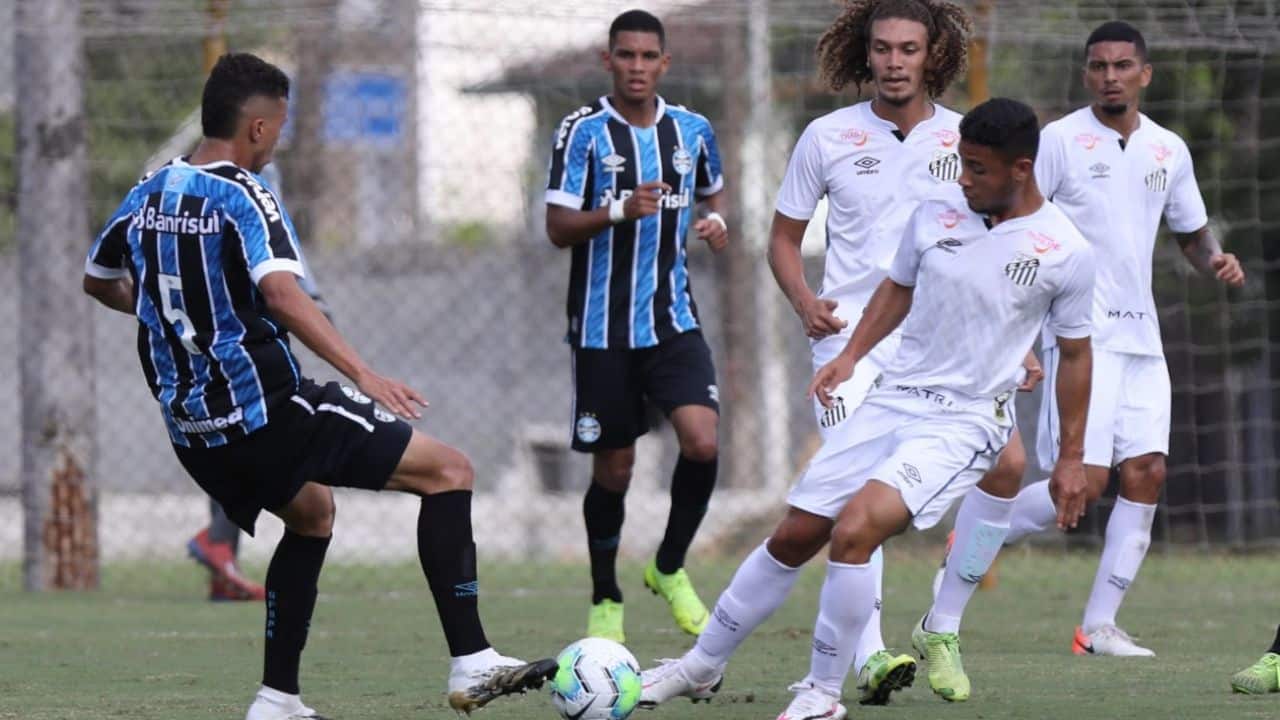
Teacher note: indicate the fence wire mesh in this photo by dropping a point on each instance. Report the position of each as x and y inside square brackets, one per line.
[414, 166]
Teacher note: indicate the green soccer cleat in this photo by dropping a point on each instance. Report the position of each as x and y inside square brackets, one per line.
[687, 609]
[605, 621]
[946, 671]
[882, 674]
[1260, 678]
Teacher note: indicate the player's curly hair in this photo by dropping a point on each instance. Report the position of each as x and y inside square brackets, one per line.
[842, 49]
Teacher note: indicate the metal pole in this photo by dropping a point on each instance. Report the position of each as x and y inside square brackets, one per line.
[59, 495]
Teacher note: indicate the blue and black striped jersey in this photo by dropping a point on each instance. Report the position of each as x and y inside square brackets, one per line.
[629, 286]
[196, 240]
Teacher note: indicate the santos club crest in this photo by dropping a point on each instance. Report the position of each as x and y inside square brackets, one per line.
[1022, 271]
[945, 166]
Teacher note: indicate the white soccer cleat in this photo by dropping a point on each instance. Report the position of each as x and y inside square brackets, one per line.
[810, 703]
[1107, 640]
[478, 679]
[669, 680]
[270, 704]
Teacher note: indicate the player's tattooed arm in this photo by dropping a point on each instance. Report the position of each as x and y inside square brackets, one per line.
[1067, 484]
[116, 294]
[1204, 253]
[818, 314]
[885, 312]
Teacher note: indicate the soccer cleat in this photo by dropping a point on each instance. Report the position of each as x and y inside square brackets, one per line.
[472, 689]
[669, 680]
[810, 703]
[946, 670]
[686, 607]
[225, 581]
[272, 704]
[605, 621]
[1259, 678]
[882, 674]
[1107, 640]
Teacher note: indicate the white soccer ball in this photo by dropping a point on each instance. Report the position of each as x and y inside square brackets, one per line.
[597, 680]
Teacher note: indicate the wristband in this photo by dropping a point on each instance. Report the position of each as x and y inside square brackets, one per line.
[617, 212]
[718, 218]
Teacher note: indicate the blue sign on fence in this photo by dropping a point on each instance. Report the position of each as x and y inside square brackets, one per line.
[365, 107]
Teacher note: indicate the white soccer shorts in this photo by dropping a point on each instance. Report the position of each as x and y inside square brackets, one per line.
[1129, 409]
[850, 393]
[904, 439]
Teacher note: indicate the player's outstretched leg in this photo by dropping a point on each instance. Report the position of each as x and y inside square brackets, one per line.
[603, 510]
[757, 589]
[692, 483]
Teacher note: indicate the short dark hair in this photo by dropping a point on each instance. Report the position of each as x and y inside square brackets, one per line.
[235, 78]
[1117, 31]
[1007, 126]
[637, 21]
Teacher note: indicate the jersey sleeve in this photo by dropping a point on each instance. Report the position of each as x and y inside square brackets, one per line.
[710, 177]
[906, 261]
[1071, 312]
[109, 253]
[804, 184]
[1184, 208]
[571, 158]
[1051, 164]
[267, 237]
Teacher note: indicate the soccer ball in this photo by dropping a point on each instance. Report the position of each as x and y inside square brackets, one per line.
[597, 679]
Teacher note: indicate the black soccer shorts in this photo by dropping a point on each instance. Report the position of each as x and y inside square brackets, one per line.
[331, 434]
[612, 386]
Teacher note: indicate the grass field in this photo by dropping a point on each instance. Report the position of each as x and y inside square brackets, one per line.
[147, 647]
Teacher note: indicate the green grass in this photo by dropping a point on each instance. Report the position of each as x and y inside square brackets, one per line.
[148, 647]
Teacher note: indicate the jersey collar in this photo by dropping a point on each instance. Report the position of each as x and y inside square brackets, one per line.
[889, 127]
[604, 101]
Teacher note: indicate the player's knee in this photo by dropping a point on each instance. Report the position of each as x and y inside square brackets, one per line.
[1005, 478]
[1142, 478]
[612, 469]
[701, 448]
[850, 541]
[317, 520]
[794, 544]
[456, 473]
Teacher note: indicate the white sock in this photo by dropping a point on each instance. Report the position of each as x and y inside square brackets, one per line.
[758, 588]
[1127, 540]
[872, 641]
[846, 604]
[485, 658]
[981, 527]
[271, 703]
[1033, 512]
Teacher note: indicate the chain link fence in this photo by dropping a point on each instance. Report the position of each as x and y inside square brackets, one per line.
[414, 164]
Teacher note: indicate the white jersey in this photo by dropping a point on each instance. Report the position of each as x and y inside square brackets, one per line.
[982, 295]
[1115, 193]
[873, 179]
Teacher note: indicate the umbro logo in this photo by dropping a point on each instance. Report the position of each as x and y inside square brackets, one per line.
[868, 164]
[1100, 170]
[614, 163]
[946, 244]
[467, 589]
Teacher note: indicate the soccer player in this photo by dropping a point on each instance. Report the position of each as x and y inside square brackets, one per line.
[874, 161]
[205, 256]
[1114, 172]
[980, 279]
[625, 173]
[1263, 676]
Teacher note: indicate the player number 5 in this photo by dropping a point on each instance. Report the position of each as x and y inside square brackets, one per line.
[169, 286]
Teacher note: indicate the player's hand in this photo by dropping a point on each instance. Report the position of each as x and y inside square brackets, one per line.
[1068, 488]
[713, 231]
[819, 318]
[1226, 267]
[829, 377]
[1035, 373]
[644, 199]
[391, 394]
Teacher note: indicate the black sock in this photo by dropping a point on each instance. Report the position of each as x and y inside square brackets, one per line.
[603, 510]
[1275, 644]
[447, 551]
[291, 598]
[691, 486]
